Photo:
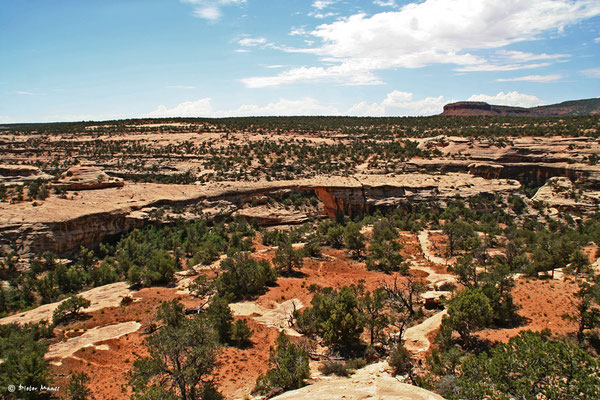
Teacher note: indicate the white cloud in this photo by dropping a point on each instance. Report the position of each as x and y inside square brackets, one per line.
[591, 72]
[322, 4]
[211, 9]
[521, 56]
[434, 32]
[400, 104]
[386, 3]
[396, 103]
[490, 67]
[514, 98]
[350, 75]
[204, 108]
[322, 15]
[533, 78]
[597, 40]
[298, 31]
[249, 41]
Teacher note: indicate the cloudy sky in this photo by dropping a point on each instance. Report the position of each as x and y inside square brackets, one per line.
[64, 60]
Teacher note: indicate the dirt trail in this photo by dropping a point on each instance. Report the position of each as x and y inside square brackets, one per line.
[426, 247]
[95, 335]
[100, 297]
[276, 317]
[415, 337]
[435, 278]
[371, 382]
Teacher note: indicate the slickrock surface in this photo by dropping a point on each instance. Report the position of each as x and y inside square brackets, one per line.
[371, 382]
[87, 177]
[94, 335]
[101, 297]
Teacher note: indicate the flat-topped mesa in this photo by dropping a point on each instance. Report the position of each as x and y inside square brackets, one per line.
[63, 225]
[473, 107]
[464, 108]
[566, 108]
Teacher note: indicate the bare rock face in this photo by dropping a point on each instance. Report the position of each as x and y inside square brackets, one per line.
[371, 382]
[560, 193]
[486, 170]
[530, 160]
[21, 173]
[87, 178]
[269, 216]
[63, 225]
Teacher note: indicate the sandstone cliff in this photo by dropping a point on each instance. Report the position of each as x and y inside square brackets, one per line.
[63, 225]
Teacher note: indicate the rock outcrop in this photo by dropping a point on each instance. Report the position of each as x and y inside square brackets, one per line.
[560, 193]
[268, 216]
[21, 173]
[63, 225]
[531, 161]
[371, 382]
[87, 178]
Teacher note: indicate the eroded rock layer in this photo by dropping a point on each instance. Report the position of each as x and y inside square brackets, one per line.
[63, 225]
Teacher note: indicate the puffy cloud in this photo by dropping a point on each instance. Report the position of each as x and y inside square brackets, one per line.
[401, 104]
[514, 98]
[204, 108]
[349, 74]
[434, 32]
[533, 78]
[395, 103]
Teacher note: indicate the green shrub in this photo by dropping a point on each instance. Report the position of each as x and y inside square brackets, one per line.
[241, 333]
[243, 276]
[400, 360]
[334, 368]
[288, 368]
[69, 309]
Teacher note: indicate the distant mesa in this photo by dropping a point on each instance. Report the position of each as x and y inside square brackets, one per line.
[567, 108]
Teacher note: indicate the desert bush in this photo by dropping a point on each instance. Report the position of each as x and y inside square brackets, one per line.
[337, 368]
[69, 309]
[288, 368]
[400, 360]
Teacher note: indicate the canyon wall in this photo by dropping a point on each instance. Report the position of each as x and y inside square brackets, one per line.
[62, 226]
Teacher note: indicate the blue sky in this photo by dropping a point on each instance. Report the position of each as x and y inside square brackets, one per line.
[64, 60]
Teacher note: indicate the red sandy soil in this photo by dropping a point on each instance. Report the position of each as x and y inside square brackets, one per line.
[107, 368]
[237, 368]
[591, 251]
[543, 304]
